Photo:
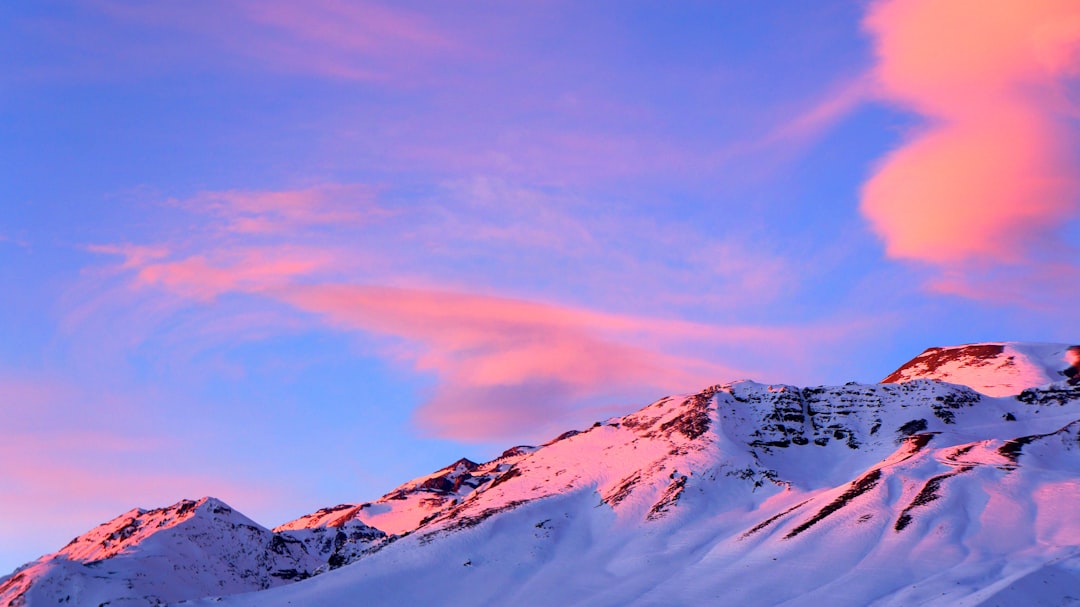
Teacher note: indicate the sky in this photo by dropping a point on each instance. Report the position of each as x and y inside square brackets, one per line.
[294, 254]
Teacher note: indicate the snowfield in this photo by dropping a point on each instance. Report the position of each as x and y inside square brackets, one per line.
[912, 493]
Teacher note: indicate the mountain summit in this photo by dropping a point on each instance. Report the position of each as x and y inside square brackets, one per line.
[915, 492]
[994, 368]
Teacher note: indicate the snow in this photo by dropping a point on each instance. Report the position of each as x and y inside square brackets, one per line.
[993, 368]
[914, 492]
[145, 557]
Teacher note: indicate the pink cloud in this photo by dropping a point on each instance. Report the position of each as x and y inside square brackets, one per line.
[135, 256]
[991, 175]
[245, 269]
[1048, 287]
[235, 260]
[350, 40]
[512, 362]
[505, 364]
[256, 212]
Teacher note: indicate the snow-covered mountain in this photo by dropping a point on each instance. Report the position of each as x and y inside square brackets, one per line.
[997, 369]
[918, 492]
[188, 550]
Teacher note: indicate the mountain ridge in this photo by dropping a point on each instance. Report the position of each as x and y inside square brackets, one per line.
[753, 466]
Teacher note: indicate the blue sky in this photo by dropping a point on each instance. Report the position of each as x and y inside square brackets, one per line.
[293, 255]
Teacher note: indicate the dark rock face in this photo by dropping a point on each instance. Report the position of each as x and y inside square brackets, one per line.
[772, 519]
[623, 490]
[668, 499]
[695, 421]
[928, 493]
[848, 414]
[516, 451]
[860, 486]
[1049, 396]
[911, 427]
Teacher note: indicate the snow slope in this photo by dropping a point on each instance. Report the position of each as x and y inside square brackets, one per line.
[747, 494]
[918, 492]
[147, 557]
[994, 368]
[413, 503]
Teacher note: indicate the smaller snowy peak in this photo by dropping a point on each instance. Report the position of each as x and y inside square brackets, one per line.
[337, 545]
[993, 368]
[191, 549]
[135, 526]
[333, 516]
[411, 504]
[465, 492]
[636, 466]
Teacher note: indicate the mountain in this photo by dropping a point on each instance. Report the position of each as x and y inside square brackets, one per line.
[917, 492]
[995, 368]
[150, 557]
[416, 502]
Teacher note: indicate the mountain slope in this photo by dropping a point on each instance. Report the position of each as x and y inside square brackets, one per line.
[916, 492]
[147, 557]
[994, 368]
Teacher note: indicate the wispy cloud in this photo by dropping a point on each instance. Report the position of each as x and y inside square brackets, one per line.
[823, 114]
[258, 212]
[242, 269]
[504, 364]
[990, 178]
[14, 240]
[360, 41]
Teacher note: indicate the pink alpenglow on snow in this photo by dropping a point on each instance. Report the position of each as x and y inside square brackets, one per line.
[997, 369]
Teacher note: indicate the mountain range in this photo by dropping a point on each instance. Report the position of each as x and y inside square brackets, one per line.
[952, 482]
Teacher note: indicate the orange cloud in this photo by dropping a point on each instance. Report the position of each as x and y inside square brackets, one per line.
[992, 173]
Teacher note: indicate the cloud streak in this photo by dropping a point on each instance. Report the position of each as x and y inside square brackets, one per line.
[267, 212]
[990, 176]
[353, 41]
[504, 365]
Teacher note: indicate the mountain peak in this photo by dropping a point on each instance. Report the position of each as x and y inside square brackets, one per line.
[993, 368]
[136, 525]
[189, 549]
